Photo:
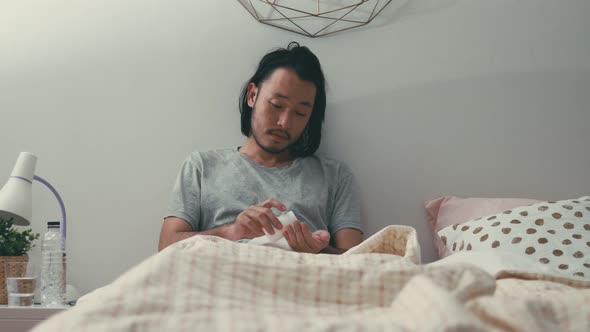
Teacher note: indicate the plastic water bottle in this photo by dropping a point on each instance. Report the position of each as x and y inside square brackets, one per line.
[53, 266]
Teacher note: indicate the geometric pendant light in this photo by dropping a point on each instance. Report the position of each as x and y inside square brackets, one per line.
[315, 18]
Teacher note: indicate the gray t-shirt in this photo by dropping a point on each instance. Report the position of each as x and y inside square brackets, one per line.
[213, 187]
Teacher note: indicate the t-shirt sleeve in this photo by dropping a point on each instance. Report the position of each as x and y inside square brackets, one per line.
[185, 202]
[346, 212]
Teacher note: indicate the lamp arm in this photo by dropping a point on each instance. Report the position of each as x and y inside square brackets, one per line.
[61, 205]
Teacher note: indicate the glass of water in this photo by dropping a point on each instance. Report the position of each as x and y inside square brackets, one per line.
[21, 283]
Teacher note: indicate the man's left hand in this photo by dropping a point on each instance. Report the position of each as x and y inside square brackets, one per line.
[302, 240]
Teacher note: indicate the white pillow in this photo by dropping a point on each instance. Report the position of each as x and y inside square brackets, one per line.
[556, 234]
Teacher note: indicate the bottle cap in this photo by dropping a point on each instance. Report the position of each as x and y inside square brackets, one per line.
[53, 224]
[286, 219]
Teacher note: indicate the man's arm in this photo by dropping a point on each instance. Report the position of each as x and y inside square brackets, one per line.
[343, 240]
[249, 223]
[176, 229]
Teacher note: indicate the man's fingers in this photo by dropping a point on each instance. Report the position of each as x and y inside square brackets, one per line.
[266, 208]
[260, 217]
[274, 220]
[289, 236]
[291, 239]
[311, 242]
[271, 202]
[253, 225]
[306, 236]
[300, 237]
[267, 219]
[321, 235]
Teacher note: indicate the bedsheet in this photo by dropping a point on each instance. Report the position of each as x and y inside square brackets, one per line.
[211, 284]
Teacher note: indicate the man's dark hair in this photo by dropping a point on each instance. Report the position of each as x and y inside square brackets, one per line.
[307, 66]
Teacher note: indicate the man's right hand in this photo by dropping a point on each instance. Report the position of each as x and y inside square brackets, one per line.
[251, 222]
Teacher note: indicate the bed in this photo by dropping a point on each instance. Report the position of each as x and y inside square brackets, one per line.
[211, 284]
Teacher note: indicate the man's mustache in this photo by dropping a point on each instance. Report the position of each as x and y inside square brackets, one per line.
[279, 132]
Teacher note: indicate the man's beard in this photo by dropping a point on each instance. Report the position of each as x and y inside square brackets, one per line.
[266, 148]
[259, 143]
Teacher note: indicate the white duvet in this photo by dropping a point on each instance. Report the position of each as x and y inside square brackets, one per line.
[211, 284]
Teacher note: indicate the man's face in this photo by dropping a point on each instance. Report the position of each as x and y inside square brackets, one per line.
[281, 107]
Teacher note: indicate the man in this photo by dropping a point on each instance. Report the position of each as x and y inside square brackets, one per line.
[236, 193]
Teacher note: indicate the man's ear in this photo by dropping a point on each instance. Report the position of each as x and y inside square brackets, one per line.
[252, 93]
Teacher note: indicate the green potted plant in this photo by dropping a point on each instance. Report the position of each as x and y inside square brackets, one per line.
[15, 243]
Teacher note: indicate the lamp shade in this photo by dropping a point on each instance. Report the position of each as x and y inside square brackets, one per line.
[16, 195]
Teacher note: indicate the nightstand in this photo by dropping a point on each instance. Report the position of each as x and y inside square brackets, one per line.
[16, 319]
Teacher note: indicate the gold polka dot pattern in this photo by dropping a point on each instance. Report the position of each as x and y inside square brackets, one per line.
[554, 233]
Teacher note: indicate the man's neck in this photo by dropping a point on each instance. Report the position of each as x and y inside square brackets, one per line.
[251, 150]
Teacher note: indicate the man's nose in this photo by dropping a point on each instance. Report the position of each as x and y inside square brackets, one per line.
[284, 119]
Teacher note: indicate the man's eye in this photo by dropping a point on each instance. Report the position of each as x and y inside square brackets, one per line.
[275, 105]
[300, 114]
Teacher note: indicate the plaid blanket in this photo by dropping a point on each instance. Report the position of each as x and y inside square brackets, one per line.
[211, 284]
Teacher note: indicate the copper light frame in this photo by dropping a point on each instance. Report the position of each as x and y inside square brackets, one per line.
[286, 15]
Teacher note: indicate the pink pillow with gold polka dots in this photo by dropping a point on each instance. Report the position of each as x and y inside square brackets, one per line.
[555, 234]
[448, 210]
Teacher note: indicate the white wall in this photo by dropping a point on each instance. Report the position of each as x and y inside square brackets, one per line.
[439, 97]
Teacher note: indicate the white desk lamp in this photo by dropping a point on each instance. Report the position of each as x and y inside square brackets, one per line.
[16, 198]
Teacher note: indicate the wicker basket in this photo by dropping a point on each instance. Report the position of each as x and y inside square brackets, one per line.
[4, 259]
